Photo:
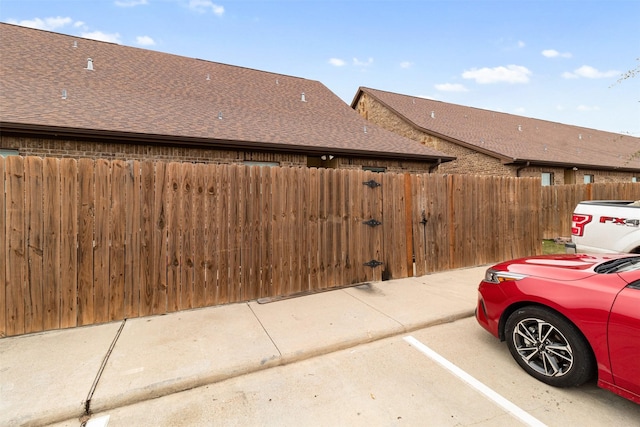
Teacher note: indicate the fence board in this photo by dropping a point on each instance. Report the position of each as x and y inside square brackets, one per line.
[118, 215]
[147, 187]
[69, 243]
[278, 229]
[313, 237]
[332, 231]
[3, 249]
[323, 234]
[416, 217]
[299, 270]
[200, 215]
[289, 256]
[101, 241]
[34, 296]
[354, 242]
[408, 228]
[86, 213]
[174, 205]
[188, 246]
[51, 256]
[212, 245]
[331, 257]
[491, 189]
[159, 241]
[236, 216]
[343, 267]
[253, 231]
[15, 245]
[266, 232]
[350, 273]
[132, 261]
[223, 209]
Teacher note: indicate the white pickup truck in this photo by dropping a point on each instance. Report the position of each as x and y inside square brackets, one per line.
[605, 226]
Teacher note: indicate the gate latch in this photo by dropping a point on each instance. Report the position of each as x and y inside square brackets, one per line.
[372, 184]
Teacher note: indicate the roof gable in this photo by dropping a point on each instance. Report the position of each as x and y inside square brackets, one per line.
[513, 138]
[164, 97]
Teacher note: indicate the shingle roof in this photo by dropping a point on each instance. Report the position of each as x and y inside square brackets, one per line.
[512, 138]
[153, 96]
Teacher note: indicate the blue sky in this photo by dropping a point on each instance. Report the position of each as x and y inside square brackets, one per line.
[557, 60]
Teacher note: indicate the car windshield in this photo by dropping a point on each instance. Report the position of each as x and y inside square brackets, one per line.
[619, 265]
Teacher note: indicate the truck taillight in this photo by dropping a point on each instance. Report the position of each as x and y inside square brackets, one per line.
[578, 221]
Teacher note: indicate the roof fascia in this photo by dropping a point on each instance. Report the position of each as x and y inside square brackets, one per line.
[538, 163]
[356, 98]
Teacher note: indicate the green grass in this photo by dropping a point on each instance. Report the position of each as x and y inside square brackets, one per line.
[550, 247]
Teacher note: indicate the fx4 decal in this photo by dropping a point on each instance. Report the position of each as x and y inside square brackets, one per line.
[620, 221]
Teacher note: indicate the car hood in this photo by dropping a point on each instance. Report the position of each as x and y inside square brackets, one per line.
[558, 267]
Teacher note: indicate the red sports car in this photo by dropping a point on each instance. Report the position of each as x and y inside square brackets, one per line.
[566, 318]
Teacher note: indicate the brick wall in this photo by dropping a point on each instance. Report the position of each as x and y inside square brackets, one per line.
[45, 147]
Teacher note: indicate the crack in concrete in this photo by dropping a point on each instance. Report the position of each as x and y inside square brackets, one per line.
[87, 402]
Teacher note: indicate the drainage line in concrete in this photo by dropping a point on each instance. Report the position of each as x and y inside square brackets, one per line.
[87, 403]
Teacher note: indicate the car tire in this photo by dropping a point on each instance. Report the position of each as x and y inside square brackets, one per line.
[549, 347]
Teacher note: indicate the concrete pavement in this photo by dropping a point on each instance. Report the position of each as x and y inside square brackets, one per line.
[56, 376]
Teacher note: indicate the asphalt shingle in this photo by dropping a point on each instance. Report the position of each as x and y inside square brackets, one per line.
[142, 93]
[515, 138]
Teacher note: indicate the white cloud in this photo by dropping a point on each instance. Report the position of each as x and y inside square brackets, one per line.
[145, 41]
[451, 87]
[202, 6]
[589, 72]
[103, 37]
[587, 108]
[521, 44]
[520, 110]
[55, 23]
[406, 64]
[508, 74]
[552, 53]
[131, 3]
[359, 63]
[48, 24]
[337, 62]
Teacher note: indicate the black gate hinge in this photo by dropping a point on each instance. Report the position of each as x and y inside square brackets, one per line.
[373, 263]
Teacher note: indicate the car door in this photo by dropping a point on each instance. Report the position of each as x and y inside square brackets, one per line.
[624, 335]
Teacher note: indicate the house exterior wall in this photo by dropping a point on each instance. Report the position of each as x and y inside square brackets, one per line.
[473, 162]
[49, 147]
[44, 147]
[397, 166]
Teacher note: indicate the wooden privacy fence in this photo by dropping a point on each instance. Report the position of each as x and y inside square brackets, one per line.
[559, 201]
[91, 241]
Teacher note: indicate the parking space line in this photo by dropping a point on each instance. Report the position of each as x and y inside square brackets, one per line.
[508, 406]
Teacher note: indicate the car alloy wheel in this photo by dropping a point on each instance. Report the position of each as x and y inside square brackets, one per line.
[549, 347]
